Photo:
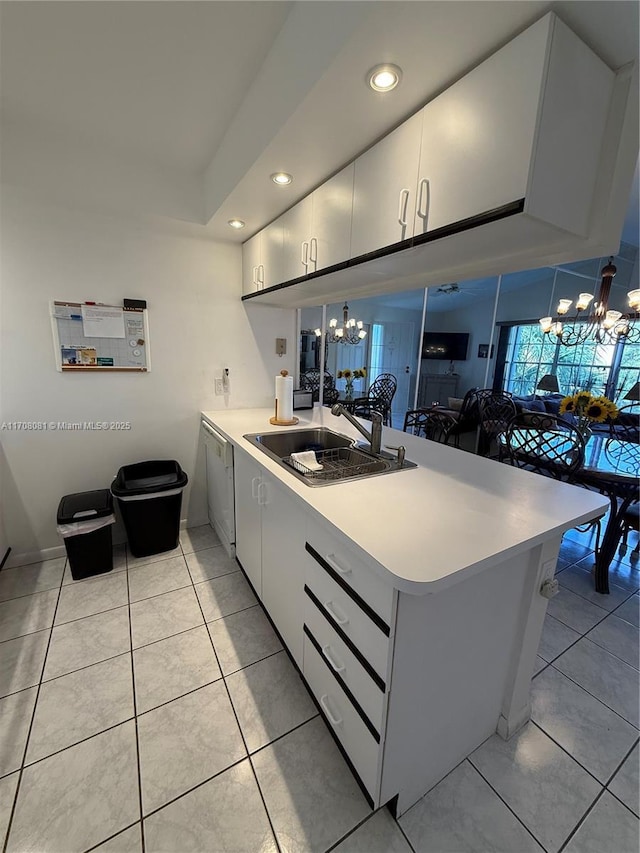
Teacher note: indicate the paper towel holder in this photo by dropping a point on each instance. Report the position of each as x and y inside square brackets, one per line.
[275, 420]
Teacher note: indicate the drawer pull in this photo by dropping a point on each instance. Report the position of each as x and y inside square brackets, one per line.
[334, 611]
[335, 665]
[335, 721]
[335, 565]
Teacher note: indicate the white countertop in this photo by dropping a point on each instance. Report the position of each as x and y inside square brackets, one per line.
[430, 526]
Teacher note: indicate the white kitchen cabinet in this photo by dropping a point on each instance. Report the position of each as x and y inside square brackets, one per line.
[251, 259]
[510, 168]
[501, 133]
[330, 235]
[247, 476]
[384, 189]
[270, 527]
[283, 530]
[262, 259]
[296, 227]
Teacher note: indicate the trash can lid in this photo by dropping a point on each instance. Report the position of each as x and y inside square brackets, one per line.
[85, 505]
[148, 477]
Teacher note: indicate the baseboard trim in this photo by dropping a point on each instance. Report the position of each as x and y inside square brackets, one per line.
[25, 558]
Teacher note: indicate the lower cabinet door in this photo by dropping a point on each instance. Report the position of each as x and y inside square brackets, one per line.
[339, 712]
[247, 480]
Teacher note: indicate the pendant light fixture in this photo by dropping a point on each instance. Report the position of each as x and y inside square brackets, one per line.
[351, 331]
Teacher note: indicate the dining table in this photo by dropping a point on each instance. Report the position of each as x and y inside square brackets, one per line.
[611, 466]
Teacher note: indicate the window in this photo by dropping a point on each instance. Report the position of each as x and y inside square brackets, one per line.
[609, 369]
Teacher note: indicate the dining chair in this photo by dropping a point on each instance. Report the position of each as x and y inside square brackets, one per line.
[626, 426]
[432, 424]
[379, 398]
[556, 451]
[496, 411]
[310, 381]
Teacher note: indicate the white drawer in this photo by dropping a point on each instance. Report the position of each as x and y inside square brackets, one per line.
[351, 565]
[348, 615]
[342, 717]
[367, 689]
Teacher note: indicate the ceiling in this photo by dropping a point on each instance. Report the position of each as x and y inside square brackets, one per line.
[222, 94]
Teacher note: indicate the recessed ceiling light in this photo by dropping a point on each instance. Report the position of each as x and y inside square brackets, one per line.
[236, 223]
[384, 78]
[281, 178]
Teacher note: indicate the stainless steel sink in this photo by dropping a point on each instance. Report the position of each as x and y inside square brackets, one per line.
[338, 454]
[281, 444]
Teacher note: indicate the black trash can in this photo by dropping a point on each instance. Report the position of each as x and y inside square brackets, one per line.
[149, 496]
[84, 521]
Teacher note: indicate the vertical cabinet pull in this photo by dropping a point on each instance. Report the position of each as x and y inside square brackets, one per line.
[313, 253]
[304, 255]
[254, 275]
[261, 276]
[262, 494]
[335, 664]
[324, 702]
[255, 485]
[424, 199]
[403, 202]
[333, 610]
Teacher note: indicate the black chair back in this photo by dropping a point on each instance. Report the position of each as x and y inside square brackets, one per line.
[497, 410]
[555, 448]
[310, 381]
[431, 424]
[379, 398]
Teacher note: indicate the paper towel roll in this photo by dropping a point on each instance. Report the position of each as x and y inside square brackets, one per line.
[284, 396]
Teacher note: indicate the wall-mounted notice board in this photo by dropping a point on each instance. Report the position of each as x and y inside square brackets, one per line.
[100, 338]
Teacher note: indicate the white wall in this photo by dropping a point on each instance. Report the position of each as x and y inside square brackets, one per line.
[197, 325]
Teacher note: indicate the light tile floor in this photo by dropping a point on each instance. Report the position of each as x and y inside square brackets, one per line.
[154, 709]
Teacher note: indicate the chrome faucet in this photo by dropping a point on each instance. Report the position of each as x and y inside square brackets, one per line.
[374, 437]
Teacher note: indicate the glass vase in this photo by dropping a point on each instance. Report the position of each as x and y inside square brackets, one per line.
[348, 391]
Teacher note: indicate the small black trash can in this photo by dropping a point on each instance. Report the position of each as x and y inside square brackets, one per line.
[84, 521]
[149, 496]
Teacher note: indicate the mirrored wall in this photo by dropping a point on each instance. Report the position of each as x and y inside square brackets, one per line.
[441, 342]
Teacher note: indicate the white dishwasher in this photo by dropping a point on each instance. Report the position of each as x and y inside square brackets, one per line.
[220, 495]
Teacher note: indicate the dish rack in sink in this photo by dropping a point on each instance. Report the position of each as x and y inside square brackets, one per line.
[339, 463]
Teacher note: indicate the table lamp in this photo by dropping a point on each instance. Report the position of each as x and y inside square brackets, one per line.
[549, 382]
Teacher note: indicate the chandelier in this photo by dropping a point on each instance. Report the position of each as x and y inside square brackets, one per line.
[351, 331]
[593, 320]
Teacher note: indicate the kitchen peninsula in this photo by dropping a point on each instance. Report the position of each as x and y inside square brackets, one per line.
[413, 602]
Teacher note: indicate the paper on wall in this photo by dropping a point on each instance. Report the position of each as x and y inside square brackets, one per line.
[102, 321]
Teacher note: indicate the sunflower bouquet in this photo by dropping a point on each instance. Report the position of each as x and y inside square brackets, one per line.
[588, 409]
[349, 376]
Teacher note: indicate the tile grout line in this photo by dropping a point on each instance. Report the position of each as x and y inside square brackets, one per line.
[135, 713]
[226, 687]
[115, 835]
[629, 722]
[33, 715]
[502, 799]
[581, 821]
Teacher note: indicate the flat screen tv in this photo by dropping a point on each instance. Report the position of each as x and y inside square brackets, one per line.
[449, 346]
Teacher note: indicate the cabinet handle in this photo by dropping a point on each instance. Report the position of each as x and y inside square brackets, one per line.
[333, 611]
[335, 721]
[403, 202]
[313, 253]
[424, 199]
[333, 663]
[333, 562]
[304, 255]
[261, 276]
[254, 274]
[262, 491]
[255, 484]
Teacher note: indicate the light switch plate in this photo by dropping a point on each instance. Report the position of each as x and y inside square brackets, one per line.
[218, 387]
[281, 346]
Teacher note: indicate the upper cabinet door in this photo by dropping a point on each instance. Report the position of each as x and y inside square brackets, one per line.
[330, 241]
[384, 193]
[271, 255]
[296, 226]
[251, 264]
[478, 135]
